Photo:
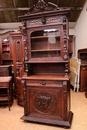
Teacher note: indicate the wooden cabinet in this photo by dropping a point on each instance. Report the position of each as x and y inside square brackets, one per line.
[83, 78]
[6, 48]
[46, 86]
[19, 91]
[6, 91]
[82, 54]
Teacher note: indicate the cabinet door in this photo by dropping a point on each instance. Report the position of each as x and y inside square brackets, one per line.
[46, 102]
[48, 44]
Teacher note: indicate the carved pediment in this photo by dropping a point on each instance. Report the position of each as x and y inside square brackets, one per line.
[42, 6]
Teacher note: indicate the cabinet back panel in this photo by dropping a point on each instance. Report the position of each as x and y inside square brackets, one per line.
[47, 68]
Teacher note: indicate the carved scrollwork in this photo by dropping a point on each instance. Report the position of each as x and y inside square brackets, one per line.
[42, 6]
[18, 50]
[65, 39]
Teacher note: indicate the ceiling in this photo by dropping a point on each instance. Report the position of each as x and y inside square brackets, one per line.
[11, 9]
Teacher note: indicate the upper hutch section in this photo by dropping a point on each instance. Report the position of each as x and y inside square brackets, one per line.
[82, 54]
[47, 33]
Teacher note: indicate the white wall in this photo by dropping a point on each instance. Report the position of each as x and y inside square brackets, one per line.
[81, 30]
[15, 26]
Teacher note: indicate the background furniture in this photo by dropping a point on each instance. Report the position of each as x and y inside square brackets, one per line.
[46, 86]
[11, 44]
[6, 48]
[19, 92]
[5, 70]
[75, 73]
[16, 38]
[6, 91]
[82, 54]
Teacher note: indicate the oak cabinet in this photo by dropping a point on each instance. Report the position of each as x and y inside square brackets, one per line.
[46, 85]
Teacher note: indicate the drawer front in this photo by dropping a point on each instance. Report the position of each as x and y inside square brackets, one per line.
[50, 83]
[4, 72]
[4, 85]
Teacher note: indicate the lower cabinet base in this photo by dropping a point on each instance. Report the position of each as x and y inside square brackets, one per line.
[63, 123]
[20, 101]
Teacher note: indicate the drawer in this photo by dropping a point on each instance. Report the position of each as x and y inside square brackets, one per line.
[50, 83]
[4, 85]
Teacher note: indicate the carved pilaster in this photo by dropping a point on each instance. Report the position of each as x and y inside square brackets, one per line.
[24, 97]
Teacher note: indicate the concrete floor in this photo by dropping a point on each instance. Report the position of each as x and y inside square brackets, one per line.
[10, 120]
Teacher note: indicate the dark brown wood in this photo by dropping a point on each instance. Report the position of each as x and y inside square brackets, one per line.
[16, 39]
[82, 54]
[6, 48]
[6, 91]
[70, 46]
[46, 86]
[5, 70]
[12, 51]
[83, 78]
[20, 99]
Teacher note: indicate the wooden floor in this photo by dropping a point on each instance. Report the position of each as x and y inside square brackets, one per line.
[10, 120]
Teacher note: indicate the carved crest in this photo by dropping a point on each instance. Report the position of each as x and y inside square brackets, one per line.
[42, 6]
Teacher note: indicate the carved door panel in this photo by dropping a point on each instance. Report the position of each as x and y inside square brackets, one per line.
[46, 102]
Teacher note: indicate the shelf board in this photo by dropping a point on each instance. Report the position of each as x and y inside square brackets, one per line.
[5, 44]
[47, 77]
[47, 60]
[38, 37]
[49, 50]
[6, 50]
[3, 98]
